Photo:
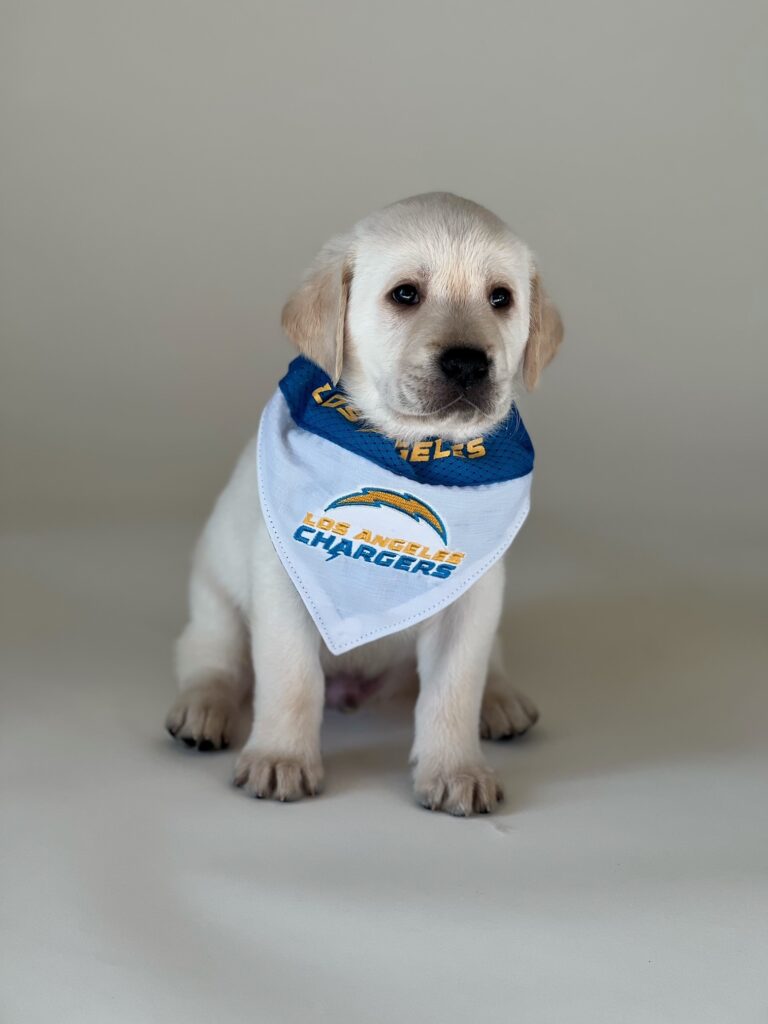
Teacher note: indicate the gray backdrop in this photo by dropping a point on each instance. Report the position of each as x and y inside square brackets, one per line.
[170, 168]
[167, 170]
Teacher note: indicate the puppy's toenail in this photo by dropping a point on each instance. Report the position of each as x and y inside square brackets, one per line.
[205, 745]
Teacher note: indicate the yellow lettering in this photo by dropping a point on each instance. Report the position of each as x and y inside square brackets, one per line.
[458, 451]
[308, 520]
[440, 452]
[363, 535]
[411, 549]
[379, 541]
[455, 557]
[440, 556]
[396, 544]
[317, 394]
[421, 451]
[334, 401]
[476, 448]
[341, 529]
[324, 523]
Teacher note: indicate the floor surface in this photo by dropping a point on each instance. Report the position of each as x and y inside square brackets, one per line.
[626, 879]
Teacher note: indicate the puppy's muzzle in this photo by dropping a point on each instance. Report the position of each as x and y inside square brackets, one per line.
[464, 366]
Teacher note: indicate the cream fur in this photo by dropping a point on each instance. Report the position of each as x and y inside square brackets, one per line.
[243, 607]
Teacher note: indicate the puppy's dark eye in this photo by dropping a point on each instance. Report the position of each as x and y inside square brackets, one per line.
[500, 297]
[406, 295]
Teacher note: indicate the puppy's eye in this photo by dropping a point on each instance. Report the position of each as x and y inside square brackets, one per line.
[406, 295]
[500, 297]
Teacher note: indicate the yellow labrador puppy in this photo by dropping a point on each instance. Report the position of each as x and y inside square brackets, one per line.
[430, 313]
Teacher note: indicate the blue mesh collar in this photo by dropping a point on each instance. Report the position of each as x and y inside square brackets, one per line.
[322, 409]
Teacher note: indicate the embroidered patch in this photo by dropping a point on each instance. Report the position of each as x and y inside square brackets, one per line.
[410, 506]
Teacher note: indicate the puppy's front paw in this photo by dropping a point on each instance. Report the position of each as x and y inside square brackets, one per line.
[276, 777]
[471, 789]
[204, 716]
[505, 714]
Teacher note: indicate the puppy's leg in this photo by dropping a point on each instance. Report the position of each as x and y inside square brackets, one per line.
[211, 668]
[506, 712]
[453, 654]
[281, 759]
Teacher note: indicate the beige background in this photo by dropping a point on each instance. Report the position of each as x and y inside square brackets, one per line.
[167, 170]
[170, 168]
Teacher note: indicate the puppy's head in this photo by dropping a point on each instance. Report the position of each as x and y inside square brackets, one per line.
[431, 310]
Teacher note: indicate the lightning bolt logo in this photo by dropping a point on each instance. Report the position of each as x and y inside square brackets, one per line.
[414, 508]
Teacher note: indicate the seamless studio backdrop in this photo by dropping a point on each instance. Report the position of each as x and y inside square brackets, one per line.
[169, 170]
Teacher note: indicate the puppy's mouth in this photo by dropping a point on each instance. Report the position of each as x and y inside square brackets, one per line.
[462, 406]
[445, 408]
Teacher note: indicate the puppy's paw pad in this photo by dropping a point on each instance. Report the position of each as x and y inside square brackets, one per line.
[505, 715]
[275, 777]
[463, 791]
[204, 716]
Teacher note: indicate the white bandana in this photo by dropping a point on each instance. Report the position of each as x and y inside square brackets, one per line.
[378, 535]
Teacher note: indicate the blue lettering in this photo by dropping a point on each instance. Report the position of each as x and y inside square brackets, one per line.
[365, 551]
[344, 547]
[321, 539]
[385, 557]
[425, 566]
[404, 562]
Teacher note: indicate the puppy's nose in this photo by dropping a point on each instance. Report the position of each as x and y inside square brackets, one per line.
[464, 366]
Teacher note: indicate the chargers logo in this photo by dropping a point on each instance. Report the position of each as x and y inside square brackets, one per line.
[410, 506]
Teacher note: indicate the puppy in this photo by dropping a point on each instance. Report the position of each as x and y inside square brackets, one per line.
[429, 313]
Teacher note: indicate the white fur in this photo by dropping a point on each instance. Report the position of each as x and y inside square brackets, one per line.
[240, 595]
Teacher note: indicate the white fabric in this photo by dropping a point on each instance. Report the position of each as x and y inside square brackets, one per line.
[367, 570]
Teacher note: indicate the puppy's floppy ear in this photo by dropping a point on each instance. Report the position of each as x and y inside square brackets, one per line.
[544, 335]
[314, 316]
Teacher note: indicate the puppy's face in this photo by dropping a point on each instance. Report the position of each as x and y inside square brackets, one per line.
[434, 306]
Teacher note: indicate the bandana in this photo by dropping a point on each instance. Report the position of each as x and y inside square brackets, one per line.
[375, 533]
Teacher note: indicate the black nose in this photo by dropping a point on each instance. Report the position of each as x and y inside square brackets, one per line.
[464, 366]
